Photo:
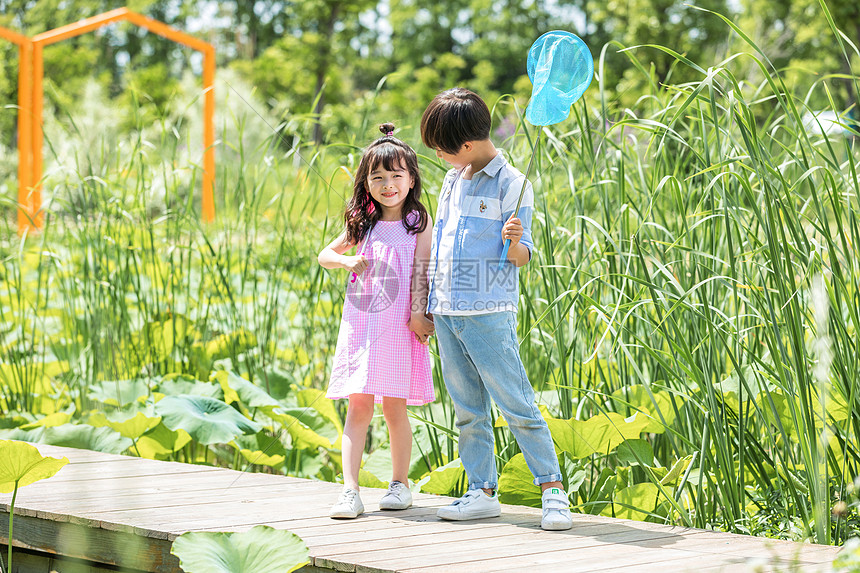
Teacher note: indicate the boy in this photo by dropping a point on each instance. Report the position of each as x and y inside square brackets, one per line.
[474, 305]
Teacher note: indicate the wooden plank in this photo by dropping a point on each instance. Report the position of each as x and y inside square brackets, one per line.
[182, 491]
[485, 549]
[154, 501]
[38, 562]
[92, 544]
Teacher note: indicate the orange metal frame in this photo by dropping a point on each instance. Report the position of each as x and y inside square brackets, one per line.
[30, 96]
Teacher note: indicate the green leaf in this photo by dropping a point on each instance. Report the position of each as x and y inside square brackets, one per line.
[261, 549]
[86, 437]
[635, 452]
[635, 502]
[443, 479]
[261, 449]
[516, 484]
[315, 398]
[600, 434]
[175, 384]
[238, 389]
[56, 419]
[119, 393]
[207, 420]
[678, 468]
[161, 441]
[230, 344]
[304, 426]
[134, 427]
[21, 464]
[368, 479]
[657, 406]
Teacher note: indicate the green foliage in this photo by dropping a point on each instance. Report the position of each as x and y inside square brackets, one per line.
[261, 549]
[21, 464]
[207, 420]
[693, 368]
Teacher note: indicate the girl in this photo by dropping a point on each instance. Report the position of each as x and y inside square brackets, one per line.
[382, 355]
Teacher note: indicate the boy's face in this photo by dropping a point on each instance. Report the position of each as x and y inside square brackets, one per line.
[457, 160]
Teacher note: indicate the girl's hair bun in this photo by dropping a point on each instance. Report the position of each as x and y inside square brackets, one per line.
[387, 128]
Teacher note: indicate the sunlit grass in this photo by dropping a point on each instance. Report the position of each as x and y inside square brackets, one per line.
[697, 261]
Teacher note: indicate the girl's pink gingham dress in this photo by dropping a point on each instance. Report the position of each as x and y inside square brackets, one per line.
[376, 352]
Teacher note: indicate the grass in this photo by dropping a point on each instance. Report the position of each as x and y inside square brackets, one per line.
[697, 262]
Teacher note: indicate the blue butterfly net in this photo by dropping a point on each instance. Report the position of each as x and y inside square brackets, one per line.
[560, 67]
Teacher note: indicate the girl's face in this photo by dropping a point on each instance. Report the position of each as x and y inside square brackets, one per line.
[390, 189]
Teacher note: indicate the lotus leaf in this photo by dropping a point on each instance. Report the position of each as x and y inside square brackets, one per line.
[161, 441]
[238, 389]
[82, 436]
[658, 406]
[119, 393]
[86, 437]
[135, 426]
[261, 549]
[49, 421]
[443, 479]
[261, 449]
[635, 502]
[21, 464]
[207, 420]
[369, 479]
[516, 484]
[316, 399]
[599, 434]
[304, 426]
[635, 452]
[173, 385]
[230, 344]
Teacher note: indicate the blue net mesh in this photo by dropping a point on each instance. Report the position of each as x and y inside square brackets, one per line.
[560, 67]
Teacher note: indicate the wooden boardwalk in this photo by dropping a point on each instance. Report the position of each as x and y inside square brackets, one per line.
[126, 511]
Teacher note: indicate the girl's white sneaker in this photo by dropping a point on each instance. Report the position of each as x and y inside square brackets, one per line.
[475, 504]
[398, 497]
[348, 505]
[556, 510]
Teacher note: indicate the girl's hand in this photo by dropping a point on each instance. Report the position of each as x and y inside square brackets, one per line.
[512, 230]
[357, 264]
[422, 325]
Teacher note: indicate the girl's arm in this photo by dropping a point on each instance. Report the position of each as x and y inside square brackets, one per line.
[332, 257]
[420, 323]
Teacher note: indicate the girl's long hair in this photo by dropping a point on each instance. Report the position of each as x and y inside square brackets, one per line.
[362, 211]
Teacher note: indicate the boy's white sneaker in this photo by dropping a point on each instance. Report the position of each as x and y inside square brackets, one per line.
[398, 497]
[348, 505]
[556, 510]
[475, 504]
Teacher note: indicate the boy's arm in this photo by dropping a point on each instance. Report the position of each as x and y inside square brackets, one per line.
[332, 256]
[518, 229]
[518, 253]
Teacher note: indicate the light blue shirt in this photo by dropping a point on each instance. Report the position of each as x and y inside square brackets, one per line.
[467, 241]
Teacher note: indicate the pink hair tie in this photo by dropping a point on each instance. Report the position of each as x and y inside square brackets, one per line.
[389, 134]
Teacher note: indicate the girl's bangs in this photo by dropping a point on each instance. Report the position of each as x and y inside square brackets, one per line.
[391, 157]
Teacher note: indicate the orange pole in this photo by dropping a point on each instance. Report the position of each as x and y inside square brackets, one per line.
[79, 27]
[30, 98]
[25, 133]
[35, 203]
[208, 193]
[166, 31]
[25, 119]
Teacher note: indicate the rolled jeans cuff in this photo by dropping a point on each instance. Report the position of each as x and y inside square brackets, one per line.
[483, 485]
[543, 479]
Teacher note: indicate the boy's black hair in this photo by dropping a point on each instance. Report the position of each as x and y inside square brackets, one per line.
[454, 117]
